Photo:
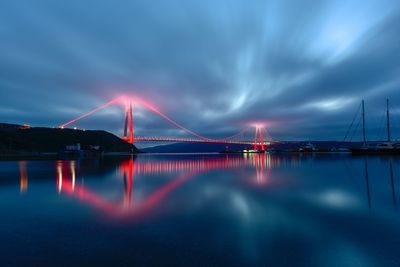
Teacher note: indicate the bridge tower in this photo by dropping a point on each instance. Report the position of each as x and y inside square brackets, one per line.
[258, 139]
[128, 128]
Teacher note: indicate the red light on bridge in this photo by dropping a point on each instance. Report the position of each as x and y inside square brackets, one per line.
[129, 130]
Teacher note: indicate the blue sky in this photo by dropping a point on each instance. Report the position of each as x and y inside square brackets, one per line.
[214, 66]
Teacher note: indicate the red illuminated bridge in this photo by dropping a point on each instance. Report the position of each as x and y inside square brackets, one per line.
[257, 142]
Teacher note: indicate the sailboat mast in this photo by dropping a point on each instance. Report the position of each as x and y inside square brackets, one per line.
[388, 119]
[363, 122]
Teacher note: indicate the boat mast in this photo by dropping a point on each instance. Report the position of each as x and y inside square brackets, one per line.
[363, 121]
[388, 119]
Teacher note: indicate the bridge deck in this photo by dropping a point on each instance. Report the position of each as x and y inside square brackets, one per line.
[191, 140]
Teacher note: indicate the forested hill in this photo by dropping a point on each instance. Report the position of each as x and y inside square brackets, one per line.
[19, 138]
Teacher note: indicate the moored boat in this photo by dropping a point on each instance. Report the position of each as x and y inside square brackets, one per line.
[384, 148]
[388, 148]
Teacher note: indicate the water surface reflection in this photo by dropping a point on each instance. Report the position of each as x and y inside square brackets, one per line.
[243, 210]
[131, 169]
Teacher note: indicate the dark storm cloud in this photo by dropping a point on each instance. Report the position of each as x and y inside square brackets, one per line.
[302, 66]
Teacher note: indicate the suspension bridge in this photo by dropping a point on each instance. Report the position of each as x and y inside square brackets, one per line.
[258, 142]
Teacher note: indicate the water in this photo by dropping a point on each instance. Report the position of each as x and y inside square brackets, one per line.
[201, 210]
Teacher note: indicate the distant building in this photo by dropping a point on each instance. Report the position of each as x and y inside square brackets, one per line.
[75, 147]
[81, 151]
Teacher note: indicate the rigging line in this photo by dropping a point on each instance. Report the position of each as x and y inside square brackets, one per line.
[355, 129]
[352, 122]
[381, 125]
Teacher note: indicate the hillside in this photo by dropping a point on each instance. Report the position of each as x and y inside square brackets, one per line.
[39, 139]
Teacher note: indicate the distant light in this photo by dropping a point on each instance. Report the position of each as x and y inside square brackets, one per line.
[259, 125]
[74, 128]
[25, 126]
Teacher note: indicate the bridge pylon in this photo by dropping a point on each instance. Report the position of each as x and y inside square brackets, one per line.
[128, 127]
[258, 139]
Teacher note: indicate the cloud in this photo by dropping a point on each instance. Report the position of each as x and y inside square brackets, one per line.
[214, 67]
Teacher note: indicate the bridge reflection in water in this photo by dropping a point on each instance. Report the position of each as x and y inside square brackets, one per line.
[132, 169]
[160, 206]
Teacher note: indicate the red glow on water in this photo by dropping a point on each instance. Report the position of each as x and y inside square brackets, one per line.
[161, 193]
[67, 181]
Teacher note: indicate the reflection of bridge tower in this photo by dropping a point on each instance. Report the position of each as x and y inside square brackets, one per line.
[258, 139]
[66, 175]
[23, 182]
[127, 173]
[128, 128]
[262, 163]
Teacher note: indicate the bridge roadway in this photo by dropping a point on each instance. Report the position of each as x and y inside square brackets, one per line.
[192, 140]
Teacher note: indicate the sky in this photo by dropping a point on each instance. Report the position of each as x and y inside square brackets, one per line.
[300, 68]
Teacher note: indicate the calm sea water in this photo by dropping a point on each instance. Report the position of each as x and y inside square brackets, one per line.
[201, 210]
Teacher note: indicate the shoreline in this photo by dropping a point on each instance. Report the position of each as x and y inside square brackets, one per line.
[57, 156]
